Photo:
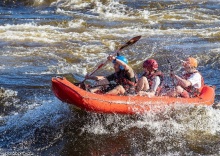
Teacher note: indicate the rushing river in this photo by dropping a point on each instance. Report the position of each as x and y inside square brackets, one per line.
[40, 39]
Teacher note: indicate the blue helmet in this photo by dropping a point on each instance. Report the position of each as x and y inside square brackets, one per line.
[123, 59]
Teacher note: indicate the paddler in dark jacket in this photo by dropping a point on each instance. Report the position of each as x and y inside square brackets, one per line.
[150, 84]
[124, 77]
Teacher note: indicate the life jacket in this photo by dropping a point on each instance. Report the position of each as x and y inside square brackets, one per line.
[150, 77]
[123, 79]
[194, 92]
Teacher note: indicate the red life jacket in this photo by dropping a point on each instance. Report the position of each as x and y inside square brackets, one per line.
[150, 77]
[194, 92]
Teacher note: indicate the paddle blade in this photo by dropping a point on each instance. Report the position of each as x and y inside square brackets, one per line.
[130, 42]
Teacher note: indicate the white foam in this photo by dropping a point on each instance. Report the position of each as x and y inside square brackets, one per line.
[22, 126]
[8, 93]
[72, 4]
[117, 11]
[181, 120]
[77, 23]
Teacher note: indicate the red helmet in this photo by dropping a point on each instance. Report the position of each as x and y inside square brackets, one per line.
[150, 64]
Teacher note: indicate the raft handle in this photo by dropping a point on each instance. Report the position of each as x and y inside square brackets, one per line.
[60, 77]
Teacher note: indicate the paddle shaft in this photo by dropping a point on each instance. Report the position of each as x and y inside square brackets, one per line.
[130, 42]
[171, 71]
[102, 64]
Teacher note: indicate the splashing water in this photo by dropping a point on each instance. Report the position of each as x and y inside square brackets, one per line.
[44, 38]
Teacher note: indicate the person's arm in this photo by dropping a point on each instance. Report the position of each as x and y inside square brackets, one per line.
[155, 85]
[182, 82]
[101, 80]
[96, 78]
[196, 80]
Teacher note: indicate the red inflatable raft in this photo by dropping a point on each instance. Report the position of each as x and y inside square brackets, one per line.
[102, 103]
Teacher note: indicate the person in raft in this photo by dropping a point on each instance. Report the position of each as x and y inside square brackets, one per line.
[191, 82]
[124, 78]
[150, 84]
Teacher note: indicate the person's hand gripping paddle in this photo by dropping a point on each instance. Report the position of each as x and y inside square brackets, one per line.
[130, 42]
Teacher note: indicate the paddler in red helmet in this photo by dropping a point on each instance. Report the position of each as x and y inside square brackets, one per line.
[150, 83]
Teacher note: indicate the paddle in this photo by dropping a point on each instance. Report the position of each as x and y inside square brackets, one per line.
[130, 42]
[171, 71]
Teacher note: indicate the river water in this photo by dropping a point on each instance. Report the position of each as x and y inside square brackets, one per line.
[40, 39]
